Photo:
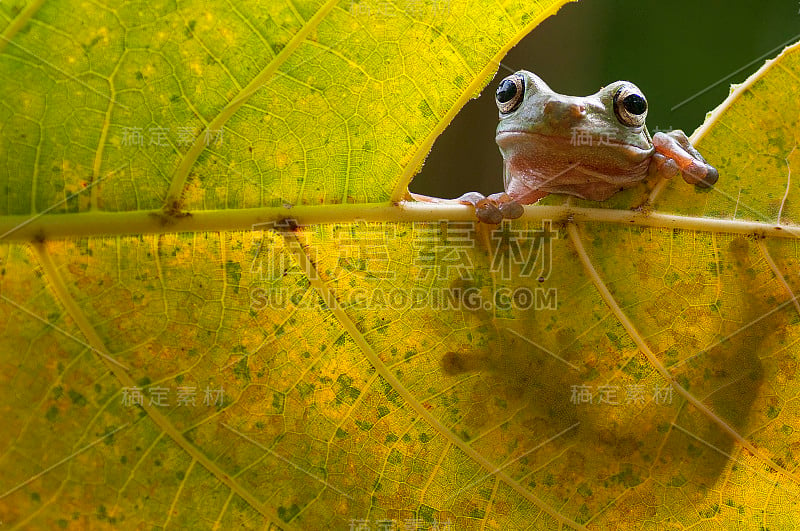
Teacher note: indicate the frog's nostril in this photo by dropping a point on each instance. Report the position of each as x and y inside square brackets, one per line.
[559, 111]
[576, 110]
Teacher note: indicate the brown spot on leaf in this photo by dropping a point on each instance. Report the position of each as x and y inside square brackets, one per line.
[454, 363]
[625, 447]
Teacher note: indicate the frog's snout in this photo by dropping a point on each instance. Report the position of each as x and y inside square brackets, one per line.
[564, 112]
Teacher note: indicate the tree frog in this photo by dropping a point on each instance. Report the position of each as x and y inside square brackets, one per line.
[590, 147]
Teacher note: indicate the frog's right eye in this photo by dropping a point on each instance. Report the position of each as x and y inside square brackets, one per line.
[509, 93]
[630, 105]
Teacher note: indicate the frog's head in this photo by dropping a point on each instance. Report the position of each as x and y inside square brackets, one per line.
[614, 115]
[586, 146]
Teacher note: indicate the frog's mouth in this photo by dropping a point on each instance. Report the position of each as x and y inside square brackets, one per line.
[577, 140]
[589, 150]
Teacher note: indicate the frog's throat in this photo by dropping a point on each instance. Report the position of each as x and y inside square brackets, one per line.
[552, 164]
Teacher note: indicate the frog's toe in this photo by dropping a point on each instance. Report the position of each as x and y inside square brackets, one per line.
[512, 210]
[488, 212]
[676, 146]
[701, 174]
[493, 209]
[712, 176]
[508, 206]
[661, 166]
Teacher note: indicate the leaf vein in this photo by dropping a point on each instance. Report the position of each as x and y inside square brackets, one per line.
[93, 338]
[178, 180]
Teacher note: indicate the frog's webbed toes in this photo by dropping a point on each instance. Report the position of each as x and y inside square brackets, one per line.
[485, 209]
[492, 209]
[488, 212]
[507, 205]
[675, 147]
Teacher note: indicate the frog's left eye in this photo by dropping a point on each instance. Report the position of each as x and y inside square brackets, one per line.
[509, 93]
[630, 106]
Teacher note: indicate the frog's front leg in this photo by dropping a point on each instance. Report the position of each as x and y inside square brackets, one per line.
[675, 153]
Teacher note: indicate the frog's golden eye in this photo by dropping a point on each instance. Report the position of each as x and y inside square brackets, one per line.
[509, 93]
[630, 106]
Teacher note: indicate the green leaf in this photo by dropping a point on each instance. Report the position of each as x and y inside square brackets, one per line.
[233, 323]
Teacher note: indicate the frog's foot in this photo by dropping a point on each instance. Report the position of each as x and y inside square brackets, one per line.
[494, 208]
[675, 153]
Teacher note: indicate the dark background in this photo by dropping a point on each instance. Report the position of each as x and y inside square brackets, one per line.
[672, 50]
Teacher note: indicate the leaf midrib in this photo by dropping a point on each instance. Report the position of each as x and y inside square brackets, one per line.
[134, 223]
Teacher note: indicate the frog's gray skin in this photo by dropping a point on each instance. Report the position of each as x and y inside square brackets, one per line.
[590, 147]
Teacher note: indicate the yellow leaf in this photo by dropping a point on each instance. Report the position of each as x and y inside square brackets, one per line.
[214, 314]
